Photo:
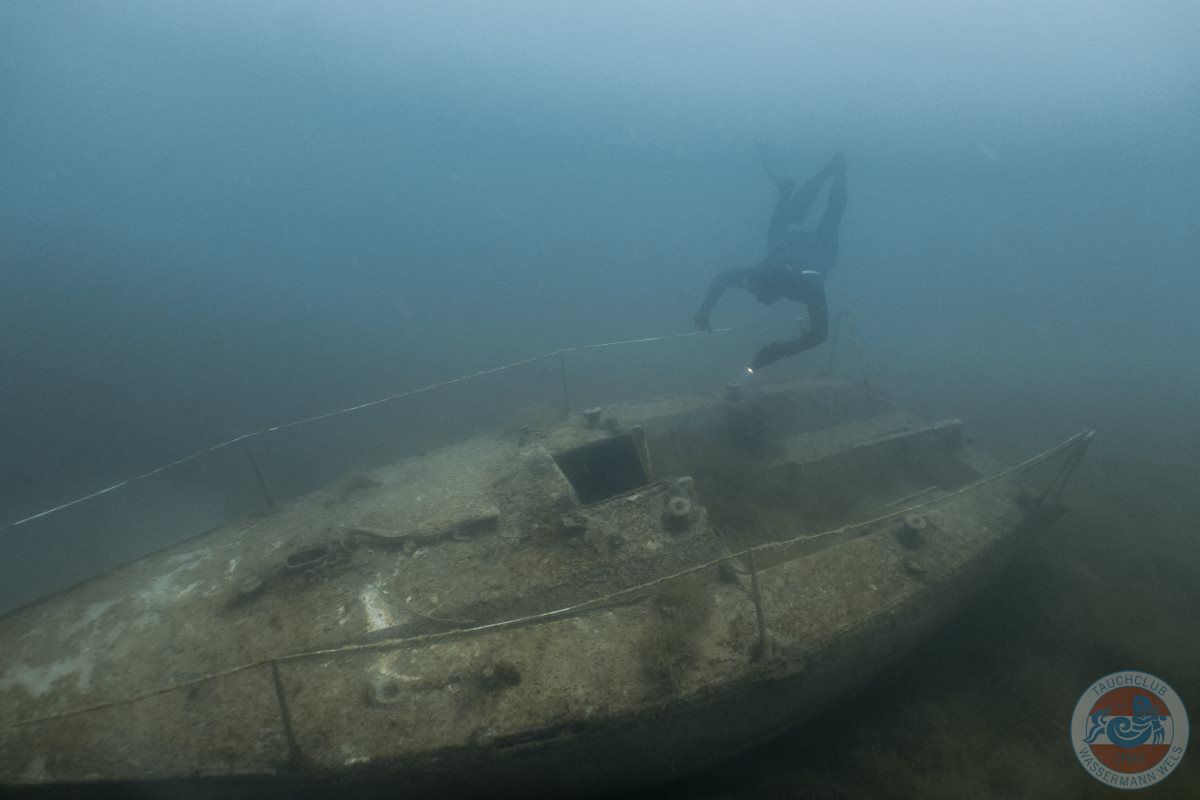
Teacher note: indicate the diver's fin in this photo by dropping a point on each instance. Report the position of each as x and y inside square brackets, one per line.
[772, 165]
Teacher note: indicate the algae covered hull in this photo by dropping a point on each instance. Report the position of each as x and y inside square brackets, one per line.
[620, 599]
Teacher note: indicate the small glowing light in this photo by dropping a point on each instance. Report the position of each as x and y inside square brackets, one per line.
[750, 370]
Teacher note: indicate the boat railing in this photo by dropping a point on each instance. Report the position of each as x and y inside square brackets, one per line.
[247, 440]
[844, 320]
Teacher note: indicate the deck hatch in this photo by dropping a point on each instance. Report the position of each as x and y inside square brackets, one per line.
[603, 469]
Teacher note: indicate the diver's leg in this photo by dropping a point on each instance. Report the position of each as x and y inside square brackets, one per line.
[831, 219]
[785, 185]
[804, 197]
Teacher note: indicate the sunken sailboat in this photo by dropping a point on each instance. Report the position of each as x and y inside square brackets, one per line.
[618, 599]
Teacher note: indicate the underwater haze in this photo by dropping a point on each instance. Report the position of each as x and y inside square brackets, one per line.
[222, 217]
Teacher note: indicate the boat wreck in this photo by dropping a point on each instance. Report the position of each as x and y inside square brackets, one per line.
[624, 598]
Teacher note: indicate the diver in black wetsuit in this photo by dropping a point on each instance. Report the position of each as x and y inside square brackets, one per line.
[797, 261]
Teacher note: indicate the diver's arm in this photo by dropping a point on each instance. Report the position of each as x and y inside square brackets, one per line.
[818, 331]
[729, 279]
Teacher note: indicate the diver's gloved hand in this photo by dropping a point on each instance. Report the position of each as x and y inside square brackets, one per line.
[771, 353]
[702, 323]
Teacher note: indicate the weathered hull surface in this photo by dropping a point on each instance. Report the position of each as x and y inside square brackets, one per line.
[563, 611]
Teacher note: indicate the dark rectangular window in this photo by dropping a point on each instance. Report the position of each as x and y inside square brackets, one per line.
[603, 469]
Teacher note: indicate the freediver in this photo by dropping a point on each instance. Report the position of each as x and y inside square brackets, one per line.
[797, 261]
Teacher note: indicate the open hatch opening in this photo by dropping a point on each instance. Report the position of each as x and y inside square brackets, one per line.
[603, 469]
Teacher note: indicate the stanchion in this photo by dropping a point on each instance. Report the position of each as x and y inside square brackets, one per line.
[562, 363]
[262, 481]
[834, 338]
[856, 340]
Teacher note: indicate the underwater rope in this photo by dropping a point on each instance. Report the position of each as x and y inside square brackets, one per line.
[1076, 443]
